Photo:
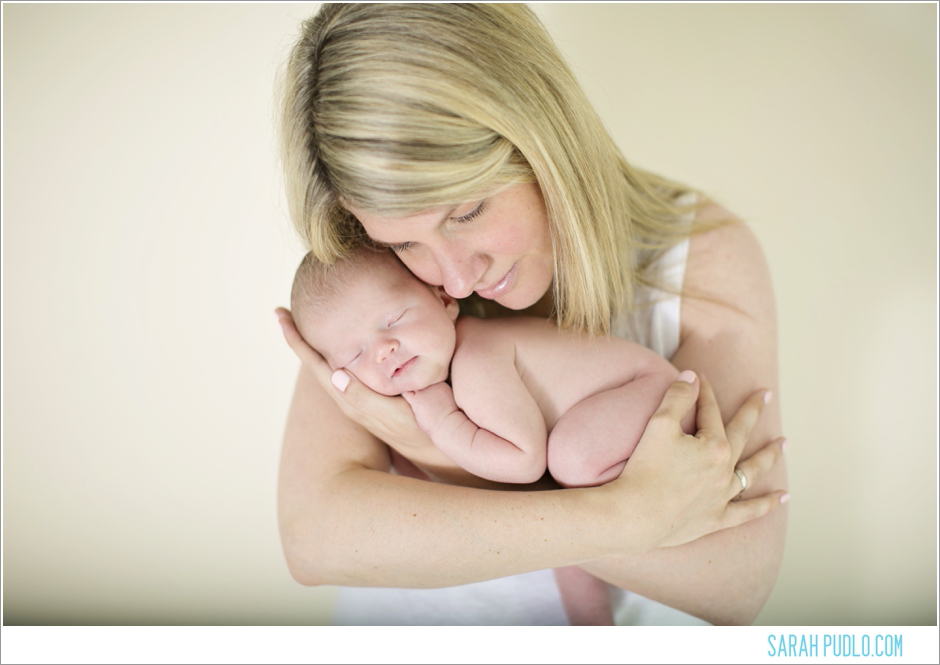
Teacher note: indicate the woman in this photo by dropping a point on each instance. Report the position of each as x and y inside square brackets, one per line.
[456, 135]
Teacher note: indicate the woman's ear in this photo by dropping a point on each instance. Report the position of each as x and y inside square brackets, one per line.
[450, 303]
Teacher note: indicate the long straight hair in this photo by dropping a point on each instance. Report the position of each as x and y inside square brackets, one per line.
[398, 108]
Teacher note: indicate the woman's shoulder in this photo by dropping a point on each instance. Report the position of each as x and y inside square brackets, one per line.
[727, 277]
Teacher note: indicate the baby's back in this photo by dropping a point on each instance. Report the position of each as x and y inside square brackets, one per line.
[559, 368]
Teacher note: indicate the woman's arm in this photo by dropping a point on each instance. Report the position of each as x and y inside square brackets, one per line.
[725, 577]
[345, 520]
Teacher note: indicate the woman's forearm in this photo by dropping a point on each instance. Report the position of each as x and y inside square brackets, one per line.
[724, 578]
[345, 520]
[377, 529]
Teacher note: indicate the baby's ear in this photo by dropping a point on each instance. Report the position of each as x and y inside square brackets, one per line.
[450, 304]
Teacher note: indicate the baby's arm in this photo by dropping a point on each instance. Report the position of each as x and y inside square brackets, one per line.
[500, 433]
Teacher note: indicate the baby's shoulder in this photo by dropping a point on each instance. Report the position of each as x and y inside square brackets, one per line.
[485, 349]
[491, 345]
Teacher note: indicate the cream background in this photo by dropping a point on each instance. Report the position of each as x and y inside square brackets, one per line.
[146, 243]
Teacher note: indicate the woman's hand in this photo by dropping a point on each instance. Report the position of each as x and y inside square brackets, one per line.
[389, 419]
[687, 484]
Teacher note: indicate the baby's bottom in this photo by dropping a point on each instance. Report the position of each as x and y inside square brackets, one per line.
[591, 442]
[584, 597]
[590, 446]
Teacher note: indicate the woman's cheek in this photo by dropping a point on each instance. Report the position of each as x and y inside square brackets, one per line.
[422, 266]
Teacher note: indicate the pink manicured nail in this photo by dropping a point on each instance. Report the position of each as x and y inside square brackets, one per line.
[340, 379]
[688, 376]
[767, 397]
[784, 498]
[783, 445]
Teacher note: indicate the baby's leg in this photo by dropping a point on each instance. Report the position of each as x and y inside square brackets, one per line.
[591, 442]
[590, 445]
[584, 597]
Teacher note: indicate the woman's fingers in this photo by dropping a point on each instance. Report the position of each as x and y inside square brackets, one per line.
[312, 360]
[738, 429]
[386, 417]
[389, 419]
[679, 398]
[758, 464]
[708, 416]
[739, 512]
[742, 422]
[355, 396]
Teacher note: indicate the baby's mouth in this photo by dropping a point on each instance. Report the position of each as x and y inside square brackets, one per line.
[404, 367]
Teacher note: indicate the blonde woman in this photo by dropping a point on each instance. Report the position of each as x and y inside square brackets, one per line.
[455, 135]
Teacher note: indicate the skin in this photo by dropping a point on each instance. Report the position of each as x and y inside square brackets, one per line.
[372, 528]
[525, 385]
[519, 383]
[382, 321]
[499, 247]
[732, 572]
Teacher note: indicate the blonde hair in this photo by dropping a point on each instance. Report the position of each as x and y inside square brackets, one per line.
[398, 108]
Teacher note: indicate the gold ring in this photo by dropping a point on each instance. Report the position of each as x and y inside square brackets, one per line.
[741, 477]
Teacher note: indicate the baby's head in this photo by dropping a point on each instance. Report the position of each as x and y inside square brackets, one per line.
[367, 314]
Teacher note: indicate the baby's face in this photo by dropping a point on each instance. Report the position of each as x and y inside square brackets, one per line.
[393, 334]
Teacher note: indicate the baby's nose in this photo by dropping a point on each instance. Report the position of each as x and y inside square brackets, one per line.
[386, 347]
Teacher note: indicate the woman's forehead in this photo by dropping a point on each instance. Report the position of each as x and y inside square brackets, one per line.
[379, 221]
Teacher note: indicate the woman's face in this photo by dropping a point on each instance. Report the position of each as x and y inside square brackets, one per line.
[499, 247]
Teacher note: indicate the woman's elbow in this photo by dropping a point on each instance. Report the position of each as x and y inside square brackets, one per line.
[304, 559]
[302, 568]
[743, 613]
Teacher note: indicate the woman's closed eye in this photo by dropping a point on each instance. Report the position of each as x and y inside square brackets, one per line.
[463, 219]
[473, 214]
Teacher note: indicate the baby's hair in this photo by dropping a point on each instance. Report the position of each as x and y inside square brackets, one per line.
[319, 285]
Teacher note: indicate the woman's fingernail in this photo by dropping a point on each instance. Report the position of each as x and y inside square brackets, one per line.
[783, 445]
[340, 379]
[784, 498]
[767, 397]
[687, 375]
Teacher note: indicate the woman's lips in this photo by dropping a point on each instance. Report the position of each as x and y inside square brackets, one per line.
[501, 287]
[404, 368]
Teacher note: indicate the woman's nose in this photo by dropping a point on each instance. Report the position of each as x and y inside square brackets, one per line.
[460, 271]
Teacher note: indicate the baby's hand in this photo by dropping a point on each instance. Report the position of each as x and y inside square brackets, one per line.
[431, 406]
